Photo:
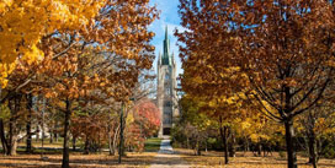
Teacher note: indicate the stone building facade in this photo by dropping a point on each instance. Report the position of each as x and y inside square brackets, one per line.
[166, 88]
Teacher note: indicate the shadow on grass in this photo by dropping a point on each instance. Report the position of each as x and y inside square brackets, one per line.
[269, 161]
[34, 160]
[109, 161]
[46, 150]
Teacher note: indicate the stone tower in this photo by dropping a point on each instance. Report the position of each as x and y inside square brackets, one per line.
[166, 88]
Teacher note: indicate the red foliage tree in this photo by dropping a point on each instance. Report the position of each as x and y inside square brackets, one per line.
[145, 122]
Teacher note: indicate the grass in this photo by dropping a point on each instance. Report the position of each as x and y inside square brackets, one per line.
[22, 150]
[58, 144]
[77, 160]
[247, 160]
[52, 157]
[47, 144]
[152, 144]
[184, 157]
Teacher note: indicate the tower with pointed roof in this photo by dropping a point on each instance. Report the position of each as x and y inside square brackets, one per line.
[166, 87]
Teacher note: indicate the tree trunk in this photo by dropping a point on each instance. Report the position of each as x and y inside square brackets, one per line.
[198, 148]
[259, 149]
[3, 137]
[121, 151]
[115, 139]
[28, 126]
[66, 159]
[87, 146]
[2, 132]
[56, 137]
[37, 132]
[246, 146]
[74, 143]
[51, 140]
[311, 140]
[28, 141]
[12, 144]
[110, 142]
[224, 136]
[312, 149]
[55, 132]
[290, 147]
[232, 151]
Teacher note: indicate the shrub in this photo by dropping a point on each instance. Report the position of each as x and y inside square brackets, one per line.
[329, 152]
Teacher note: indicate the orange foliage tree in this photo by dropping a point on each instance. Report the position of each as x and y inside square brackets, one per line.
[284, 50]
[86, 56]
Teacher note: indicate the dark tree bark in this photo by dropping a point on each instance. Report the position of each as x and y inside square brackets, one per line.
[51, 140]
[87, 146]
[259, 149]
[246, 147]
[2, 133]
[3, 137]
[291, 154]
[55, 132]
[74, 143]
[198, 148]
[110, 139]
[56, 137]
[224, 136]
[66, 152]
[37, 133]
[311, 139]
[28, 126]
[312, 148]
[313, 155]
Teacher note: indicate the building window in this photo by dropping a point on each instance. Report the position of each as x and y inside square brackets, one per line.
[167, 119]
[168, 104]
[167, 111]
[167, 90]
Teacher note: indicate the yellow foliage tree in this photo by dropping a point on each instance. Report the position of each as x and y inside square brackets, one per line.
[23, 24]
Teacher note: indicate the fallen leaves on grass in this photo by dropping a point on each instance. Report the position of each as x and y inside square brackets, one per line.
[77, 160]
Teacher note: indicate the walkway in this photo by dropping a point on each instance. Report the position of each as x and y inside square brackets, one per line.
[166, 158]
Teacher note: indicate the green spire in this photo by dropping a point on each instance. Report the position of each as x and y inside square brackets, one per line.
[166, 48]
[166, 32]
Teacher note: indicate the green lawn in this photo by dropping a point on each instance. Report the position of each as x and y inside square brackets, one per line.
[152, 144]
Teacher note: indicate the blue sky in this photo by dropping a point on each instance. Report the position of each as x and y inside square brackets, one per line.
[168, 17]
